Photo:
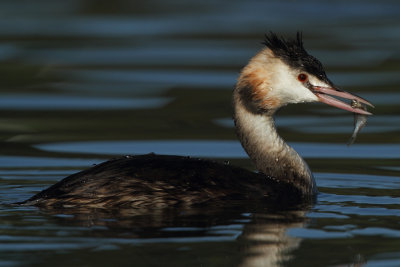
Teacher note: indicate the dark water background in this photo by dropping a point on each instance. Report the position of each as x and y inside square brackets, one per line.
[83, 81]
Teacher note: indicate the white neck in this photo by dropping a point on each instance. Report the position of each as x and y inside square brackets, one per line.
[271, 155]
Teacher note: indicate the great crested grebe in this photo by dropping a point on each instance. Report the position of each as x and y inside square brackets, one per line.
[280, 74]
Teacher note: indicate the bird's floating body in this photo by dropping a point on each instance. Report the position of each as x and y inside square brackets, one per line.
[280, 74]
[160, 181]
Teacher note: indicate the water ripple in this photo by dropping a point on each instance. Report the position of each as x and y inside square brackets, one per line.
[62, 102]
[220, 149]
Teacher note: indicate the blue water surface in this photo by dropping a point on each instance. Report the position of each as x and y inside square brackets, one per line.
[85, 81]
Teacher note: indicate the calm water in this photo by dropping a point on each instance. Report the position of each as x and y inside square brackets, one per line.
[84, 81]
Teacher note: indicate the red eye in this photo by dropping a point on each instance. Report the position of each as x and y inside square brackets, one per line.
[302, 77]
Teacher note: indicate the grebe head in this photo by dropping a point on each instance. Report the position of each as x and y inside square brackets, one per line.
[285, 73]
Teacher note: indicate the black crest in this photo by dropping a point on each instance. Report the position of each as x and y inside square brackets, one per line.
[292, 52]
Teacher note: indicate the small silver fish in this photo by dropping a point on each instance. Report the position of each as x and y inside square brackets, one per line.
[360, 120]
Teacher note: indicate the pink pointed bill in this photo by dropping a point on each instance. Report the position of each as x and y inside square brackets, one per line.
[325, 94]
